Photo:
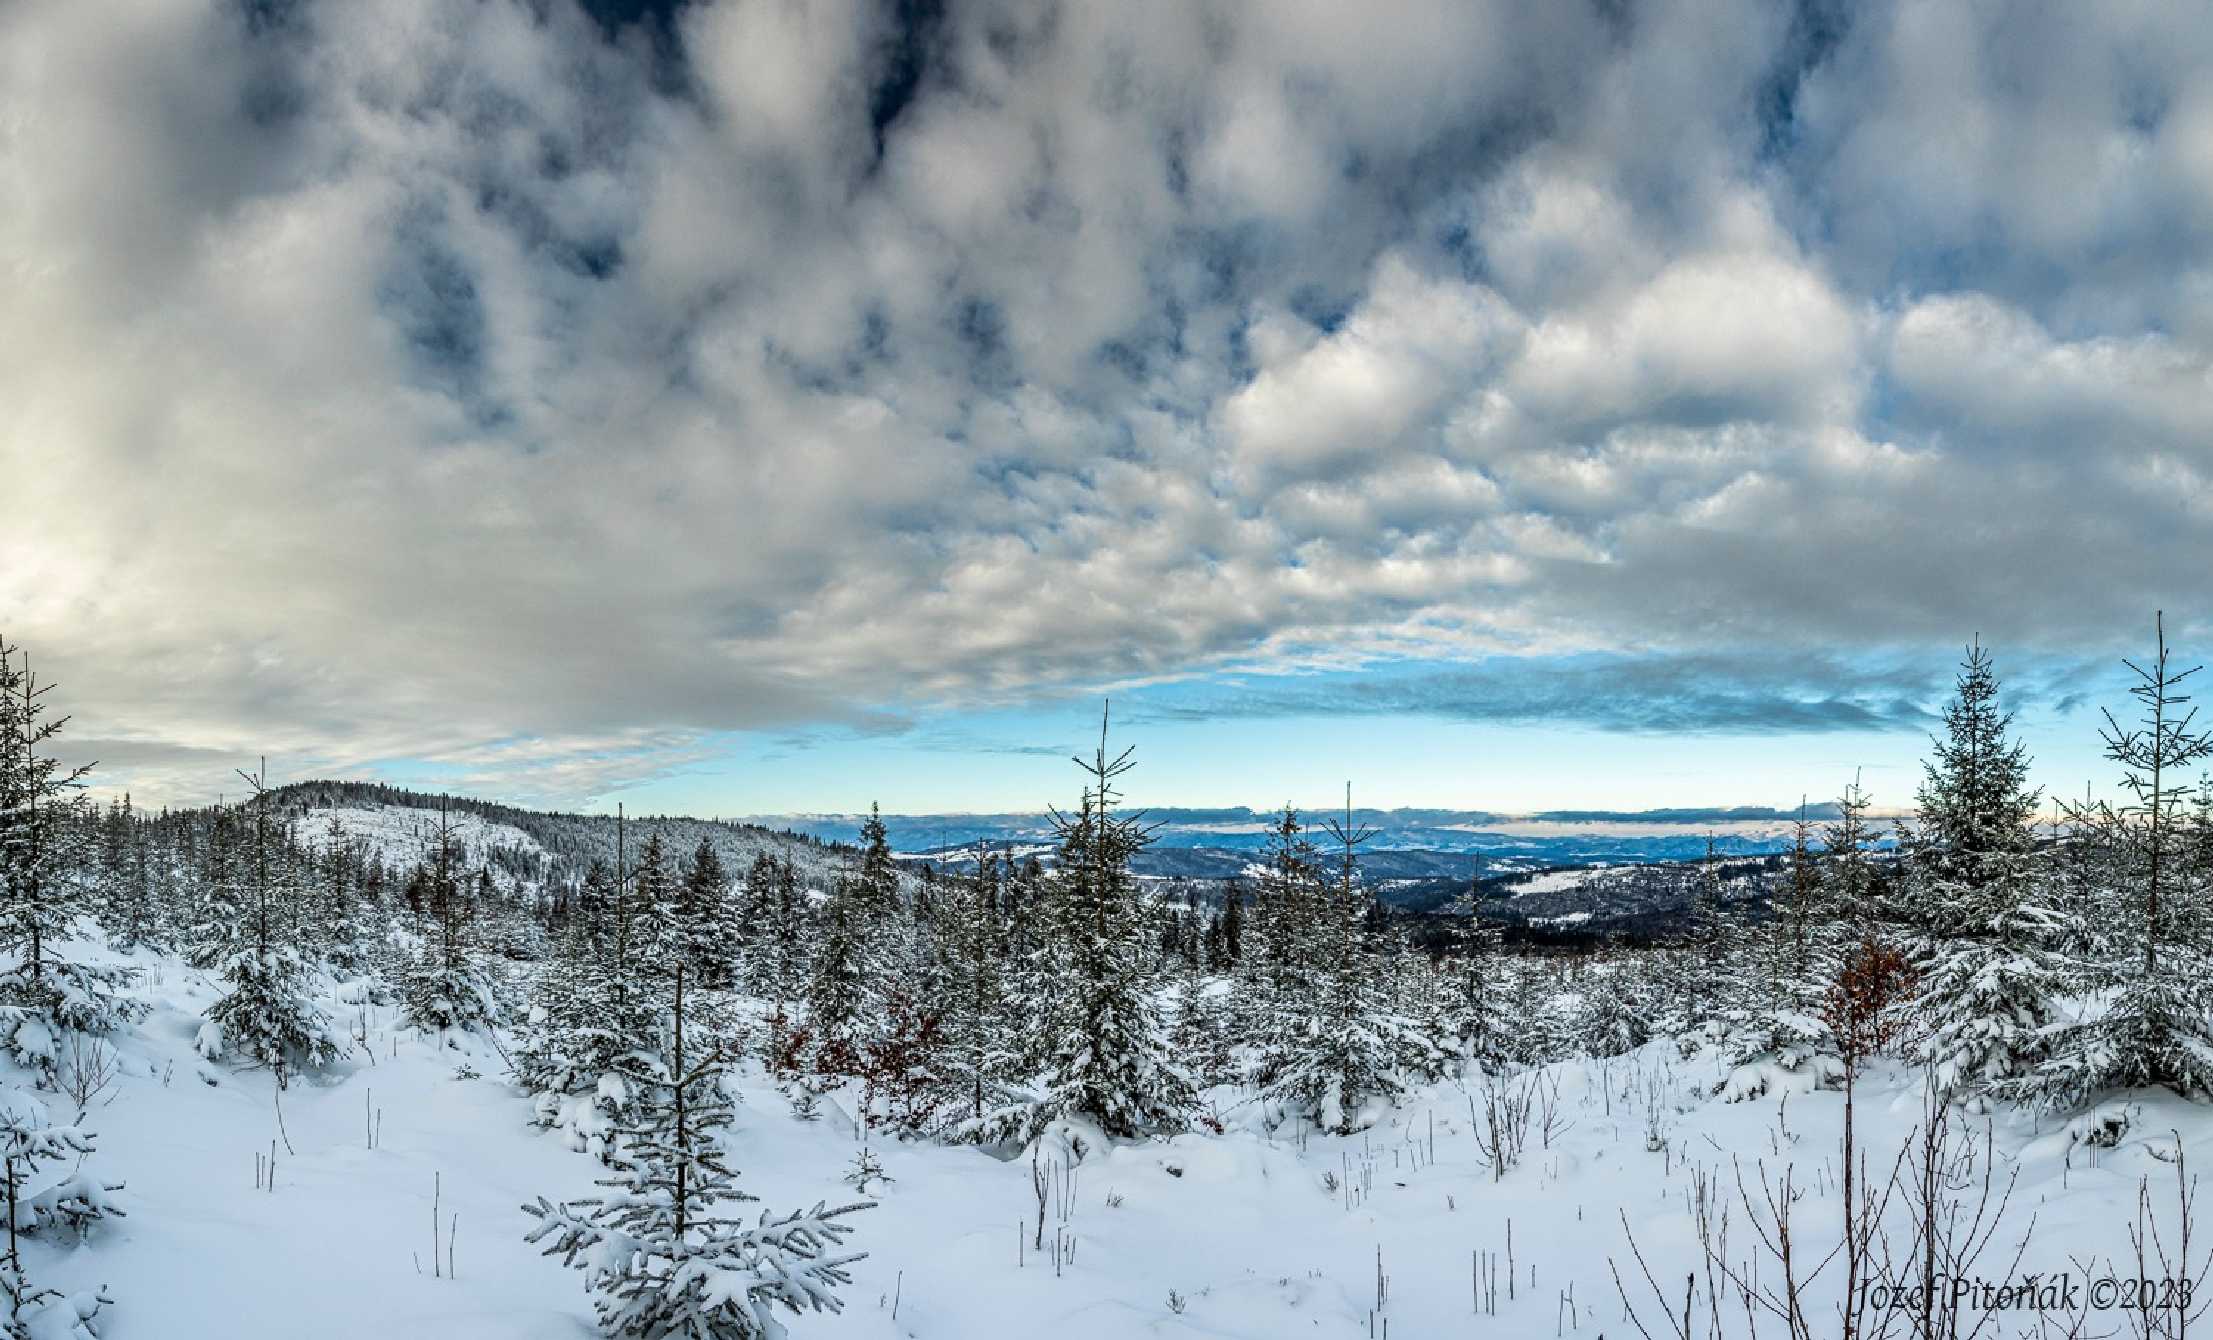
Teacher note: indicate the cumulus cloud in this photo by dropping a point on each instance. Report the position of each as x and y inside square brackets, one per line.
[534, 398]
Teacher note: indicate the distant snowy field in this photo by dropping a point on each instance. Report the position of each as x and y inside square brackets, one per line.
[1242, 1234]
[1551, 881]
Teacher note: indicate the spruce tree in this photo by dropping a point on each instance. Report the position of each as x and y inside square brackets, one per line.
[1287, 902]
[755, 919]
[1990, 980]
[591, 1024]
[877, 884]
[1472, 1012]
[1779, 1027]
[1232, 924]
[1703, 976]
[1106, 1060]
[44, 990]
[28, 1139]
[659, 1256]
[1338, 1037]
[126, 895]
[712, 931]
[838, 989]
[975, 1026]
[2157, 1024]
[653, 913]
[447, 988]
[787, 953]
[267, 1016]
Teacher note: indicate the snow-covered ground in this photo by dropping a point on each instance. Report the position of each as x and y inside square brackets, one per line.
[1246, 1233]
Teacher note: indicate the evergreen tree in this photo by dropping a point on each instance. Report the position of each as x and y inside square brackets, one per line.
[1851, 893]
[1472, 1011]
[1989, 980]
[1338, 1038]
[126, 888]
[877, 885]
[1974, 807]
[653, 913]
[590, 1027]
[754, 925]
[341, 909]
[1232, 938]
[447, 989]
[660, 1258]
[786, 953]
[1780, 1028]
[267, 1016]
[28, 1139]
[1703, 969]
[712, 931]
[975, 1027]
[2157, 1025]
[837, 991]
[44, 991]
[1105, 1059]
[1287, 914]
[1615, 1008]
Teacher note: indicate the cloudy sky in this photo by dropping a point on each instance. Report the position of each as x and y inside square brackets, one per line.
[747, 405]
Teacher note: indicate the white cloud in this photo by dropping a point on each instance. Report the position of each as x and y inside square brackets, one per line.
[409, 378]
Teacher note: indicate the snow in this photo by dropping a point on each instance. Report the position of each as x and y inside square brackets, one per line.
[1250, 1233]
[1551, 881]
[1564, 919]
[400, 834]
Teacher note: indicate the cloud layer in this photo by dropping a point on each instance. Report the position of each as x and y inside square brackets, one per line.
[490, 385]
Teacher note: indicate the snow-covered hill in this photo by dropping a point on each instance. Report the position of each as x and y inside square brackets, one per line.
[536, 848]
[400, 835]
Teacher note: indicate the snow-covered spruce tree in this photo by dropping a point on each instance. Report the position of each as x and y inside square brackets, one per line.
[1227, 944]
[1203, 1033]
[754, 920]
[1989, 981]
[707, 918]
[339, 924]
[788, 954]
[1702, 977]
[1108, 1062]
[215, 901]
[876, 886]
[1340, 1040]
[266, 1016]
[592, 1024]
[973, 1022]
[1850, 891]
[446, 990]
[1283, 988]
[653, 914]
[660, 1259]
[1616, 1007]
[1778, 1027]
[72, 1205]
[838, 988]
[1471, 1012]
[2157, 1024]
[43, 989]
[126, 895]
[1034, 961]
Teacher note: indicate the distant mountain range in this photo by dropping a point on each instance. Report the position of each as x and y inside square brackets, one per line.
[1408, 843]
[1562, 874]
